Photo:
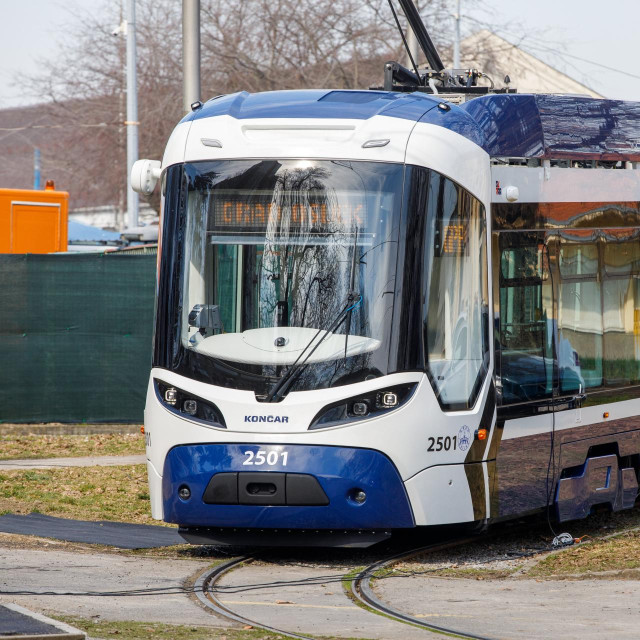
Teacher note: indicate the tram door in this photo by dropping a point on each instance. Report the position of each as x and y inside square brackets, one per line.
[526, 373]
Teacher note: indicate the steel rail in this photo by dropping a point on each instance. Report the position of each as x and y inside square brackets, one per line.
[363, 592]
[204, 590]
[361, 588]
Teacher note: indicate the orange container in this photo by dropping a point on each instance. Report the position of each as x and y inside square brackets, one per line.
[33, 221]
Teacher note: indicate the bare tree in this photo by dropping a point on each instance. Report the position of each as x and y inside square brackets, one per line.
[252, 45]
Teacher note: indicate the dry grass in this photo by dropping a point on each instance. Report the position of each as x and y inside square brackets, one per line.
[616, 554]
[15, 447]
[84, 493]
[148, 630]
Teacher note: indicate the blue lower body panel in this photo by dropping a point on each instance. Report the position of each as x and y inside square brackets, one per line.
[340, 471]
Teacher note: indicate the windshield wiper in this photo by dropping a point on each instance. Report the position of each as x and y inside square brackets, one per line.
[290, 375]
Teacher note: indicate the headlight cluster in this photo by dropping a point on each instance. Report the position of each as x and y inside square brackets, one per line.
[187, 405]
[367, 405]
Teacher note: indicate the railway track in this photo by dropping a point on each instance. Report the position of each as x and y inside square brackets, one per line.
[209, 591]
[205, 589]
[362, 590]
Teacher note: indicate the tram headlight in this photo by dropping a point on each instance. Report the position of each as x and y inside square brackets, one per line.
[367, 405]
[171, 396]
[360, 408]
[190, 406]
[187, 405]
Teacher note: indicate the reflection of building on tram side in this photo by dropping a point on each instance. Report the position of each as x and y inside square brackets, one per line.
[599, 304]
[579, 285]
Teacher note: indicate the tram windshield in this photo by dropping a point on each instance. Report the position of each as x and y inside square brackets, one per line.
[290, 262]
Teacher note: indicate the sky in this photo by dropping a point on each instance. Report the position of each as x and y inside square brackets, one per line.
[579, 37]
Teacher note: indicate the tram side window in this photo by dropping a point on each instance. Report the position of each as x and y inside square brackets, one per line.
[455, 276]
[525, 348]
[579, 317]
[599, 308]
[621, 307]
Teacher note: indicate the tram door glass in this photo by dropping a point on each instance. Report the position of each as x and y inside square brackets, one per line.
[525, 327]
[456, 306]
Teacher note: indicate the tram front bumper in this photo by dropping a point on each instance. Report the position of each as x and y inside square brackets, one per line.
[283, 486]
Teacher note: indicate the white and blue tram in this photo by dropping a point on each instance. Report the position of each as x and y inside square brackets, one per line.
[378, 310]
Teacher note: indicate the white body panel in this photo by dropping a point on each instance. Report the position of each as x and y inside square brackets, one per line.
[453, 156]
[440, 495]
[553, 184]
[299, 138]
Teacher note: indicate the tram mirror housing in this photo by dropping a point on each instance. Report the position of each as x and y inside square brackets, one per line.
[205, 316]
[145, 175]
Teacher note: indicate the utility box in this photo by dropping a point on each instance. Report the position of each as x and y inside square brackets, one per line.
[33, 221]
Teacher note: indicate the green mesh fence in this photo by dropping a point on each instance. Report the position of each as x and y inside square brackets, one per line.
[75, 337]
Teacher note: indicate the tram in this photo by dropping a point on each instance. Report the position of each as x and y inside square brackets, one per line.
[380, 310]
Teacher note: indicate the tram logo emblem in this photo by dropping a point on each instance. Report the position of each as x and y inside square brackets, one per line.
[266, 418]
[464, 438]
[498, 188]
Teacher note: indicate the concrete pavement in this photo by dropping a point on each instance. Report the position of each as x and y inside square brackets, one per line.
[521, 608]
[88, 461]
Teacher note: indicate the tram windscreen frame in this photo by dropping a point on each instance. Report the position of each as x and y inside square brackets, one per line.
[275, 250]
[382, 267]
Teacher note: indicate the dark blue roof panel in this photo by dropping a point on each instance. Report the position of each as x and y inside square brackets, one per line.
[359, 105]
[557, 126]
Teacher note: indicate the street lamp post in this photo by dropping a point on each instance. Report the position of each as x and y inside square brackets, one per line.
[456, 39]
[132, 112]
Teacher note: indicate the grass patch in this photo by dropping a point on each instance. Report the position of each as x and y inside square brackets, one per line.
[476, 573]
[145, 631]
[472, 573]
[617, 553]
[16, 447]
[83, 493]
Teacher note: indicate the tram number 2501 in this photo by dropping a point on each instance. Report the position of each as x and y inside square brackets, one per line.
[270, 458]
[442, 443]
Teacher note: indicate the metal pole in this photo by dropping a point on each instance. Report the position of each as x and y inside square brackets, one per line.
[190, 52]
[412, 41]
[132, 112]
[456, 40]
[36, 168]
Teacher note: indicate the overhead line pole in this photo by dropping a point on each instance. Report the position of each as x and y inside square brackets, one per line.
[456, 40]
[190, 52]
[132, 112]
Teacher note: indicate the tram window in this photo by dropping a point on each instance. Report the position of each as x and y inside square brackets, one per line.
[578, 260]
[622, 257]
[225, 270]
[621, 308]
[455, 276]
[525, 348]
[579, 316]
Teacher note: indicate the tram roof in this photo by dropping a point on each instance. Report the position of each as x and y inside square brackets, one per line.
[504, 125]
[557, 126]
[318, 103]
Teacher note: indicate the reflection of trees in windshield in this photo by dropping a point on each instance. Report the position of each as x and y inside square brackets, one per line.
[284, 243]
[301, 279]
